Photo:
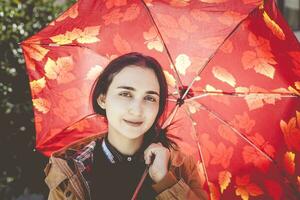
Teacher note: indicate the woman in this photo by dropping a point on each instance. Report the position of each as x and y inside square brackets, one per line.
[131, 93]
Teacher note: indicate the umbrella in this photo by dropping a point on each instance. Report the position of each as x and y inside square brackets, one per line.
[234, 80]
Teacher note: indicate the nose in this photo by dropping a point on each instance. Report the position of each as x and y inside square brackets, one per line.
[135, 108]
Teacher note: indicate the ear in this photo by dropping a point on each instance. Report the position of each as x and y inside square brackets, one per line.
[101, 101]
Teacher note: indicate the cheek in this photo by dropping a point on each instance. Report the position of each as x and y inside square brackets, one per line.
[152, 112]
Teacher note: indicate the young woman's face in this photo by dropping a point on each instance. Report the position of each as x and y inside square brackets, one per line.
[131, 102]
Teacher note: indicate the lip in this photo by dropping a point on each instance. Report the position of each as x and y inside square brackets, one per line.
[133, 123]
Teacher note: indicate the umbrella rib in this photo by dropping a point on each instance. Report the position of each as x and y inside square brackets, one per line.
[212, 55]
[241, 94]
[198, 146]
[218, 117]
[177, 77]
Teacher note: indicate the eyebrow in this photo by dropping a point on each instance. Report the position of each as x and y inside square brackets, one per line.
[132, 89]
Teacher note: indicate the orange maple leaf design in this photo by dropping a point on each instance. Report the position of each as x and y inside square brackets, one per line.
[111, 3]
[153, 40]
[42, 105]
[251, 155]
[113, 17]
[88, 35]
[72, 13]
[131, 13]
[291, 132]
[60, 70]
[35, 51]
[224, 180]
[121, 44]
[227, 47]
[245, 188]
[273, 26]
[243, 122]
[222, 155]
[261, 59]
[264, 145]
[289, 162]
[37, 85]
[230, 18]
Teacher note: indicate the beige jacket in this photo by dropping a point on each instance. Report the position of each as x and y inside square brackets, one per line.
[181, 183]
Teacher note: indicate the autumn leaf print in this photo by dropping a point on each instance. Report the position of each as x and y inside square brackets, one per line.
[289, 162]
[152, 40]
[131, 13]
[72, 13]
[224, 75]
[60, 70]
[35, 51]
[42, 105]
[291, 132]
[224, 180]
[261, 59]
[88, 35]
[245, 188]
[37, 85]
[111, 3]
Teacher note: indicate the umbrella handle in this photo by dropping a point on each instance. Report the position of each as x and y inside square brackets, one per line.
[137, 189]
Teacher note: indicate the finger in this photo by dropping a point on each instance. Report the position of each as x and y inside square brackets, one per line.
[151, 152]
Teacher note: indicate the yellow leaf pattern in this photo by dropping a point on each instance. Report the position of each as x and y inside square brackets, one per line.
[60, 70]
[42, 105]
[223, 75]
[37, 85]
[224, 180]
[152, 40]
[88, 35]
[182, 63]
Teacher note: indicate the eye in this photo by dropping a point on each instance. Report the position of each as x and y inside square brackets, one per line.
[124, 94]
[150, 98]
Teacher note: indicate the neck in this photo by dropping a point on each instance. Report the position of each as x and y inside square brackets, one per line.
[125, 145]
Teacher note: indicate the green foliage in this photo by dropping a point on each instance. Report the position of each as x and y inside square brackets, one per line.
[21, 167]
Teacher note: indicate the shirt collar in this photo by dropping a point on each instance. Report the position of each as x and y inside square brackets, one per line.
[114, 156]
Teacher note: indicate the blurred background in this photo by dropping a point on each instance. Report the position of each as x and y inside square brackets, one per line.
[21, 167]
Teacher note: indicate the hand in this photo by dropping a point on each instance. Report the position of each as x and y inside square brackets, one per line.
[159, 167]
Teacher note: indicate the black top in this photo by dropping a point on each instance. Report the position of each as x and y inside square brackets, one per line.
[118, 180]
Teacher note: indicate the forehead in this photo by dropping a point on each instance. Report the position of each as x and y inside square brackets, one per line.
[137, 77]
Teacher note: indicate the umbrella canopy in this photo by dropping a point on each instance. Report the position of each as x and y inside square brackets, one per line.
[234, 81]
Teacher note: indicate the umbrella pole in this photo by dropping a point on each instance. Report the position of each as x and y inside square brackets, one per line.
[137, 189]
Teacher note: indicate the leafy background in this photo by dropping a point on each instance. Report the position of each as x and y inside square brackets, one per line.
[21, 168]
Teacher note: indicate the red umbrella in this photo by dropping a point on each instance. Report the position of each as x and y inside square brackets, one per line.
[234, 80]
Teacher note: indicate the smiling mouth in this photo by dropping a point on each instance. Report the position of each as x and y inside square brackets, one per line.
[133, 123]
